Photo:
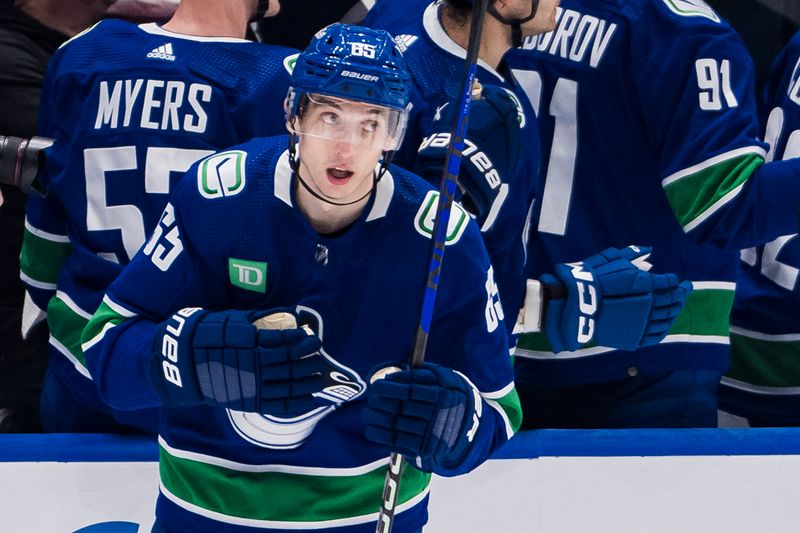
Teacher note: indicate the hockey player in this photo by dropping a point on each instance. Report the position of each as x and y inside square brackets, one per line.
[649, 134]
[762, 382]
[267, 429]
[499, 174]
[130, 107]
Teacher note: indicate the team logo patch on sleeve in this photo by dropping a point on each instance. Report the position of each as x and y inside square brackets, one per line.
[248, 275]
[423, 222]
[692, 8]
[222, 174]
[289, 62]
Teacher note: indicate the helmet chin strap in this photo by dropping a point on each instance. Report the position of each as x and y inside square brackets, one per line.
[516, 24]
[294, 162]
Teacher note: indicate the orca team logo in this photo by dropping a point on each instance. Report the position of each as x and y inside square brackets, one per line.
[518, 105]
[692, 8]
[426, 214]
[342, 384]
[289, 62]
[222, 174]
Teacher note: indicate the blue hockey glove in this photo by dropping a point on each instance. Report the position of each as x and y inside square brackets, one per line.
[223, 359]
[490, 153]
[430, 412]
[612, 301]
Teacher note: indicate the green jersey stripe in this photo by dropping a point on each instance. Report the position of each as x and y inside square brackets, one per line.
[704, 319]
[37, 284]
[766, 364]
[66, 326]
[697, 196]
[510, 411]
[106, 317]
[41, 258]
[282, 496]
[759, 389]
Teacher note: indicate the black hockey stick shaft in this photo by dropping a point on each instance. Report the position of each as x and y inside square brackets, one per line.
[447, 190]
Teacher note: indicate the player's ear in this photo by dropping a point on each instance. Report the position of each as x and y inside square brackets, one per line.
[287, 113]
[274, 8]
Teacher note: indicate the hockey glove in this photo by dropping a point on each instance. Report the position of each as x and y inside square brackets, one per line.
[430, 412]
[612, 300]
[490, 153]
[223, 359]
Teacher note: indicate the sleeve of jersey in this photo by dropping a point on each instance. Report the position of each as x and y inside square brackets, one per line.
[165, 275]
[45, 242]
[45, 245]
[698, 103]
[469, 336]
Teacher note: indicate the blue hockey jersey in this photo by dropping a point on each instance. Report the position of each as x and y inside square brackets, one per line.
[765, 321]
[130, 107]
[232, 237]
[389, 14]
[649, 136]
[436, 64]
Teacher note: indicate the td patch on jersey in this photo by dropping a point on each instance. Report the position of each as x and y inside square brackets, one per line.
[248, 275]
[222, 174]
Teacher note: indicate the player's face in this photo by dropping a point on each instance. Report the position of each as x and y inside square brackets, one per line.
[544, 21]
[341, 142]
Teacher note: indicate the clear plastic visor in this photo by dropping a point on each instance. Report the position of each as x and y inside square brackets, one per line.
[358, 123]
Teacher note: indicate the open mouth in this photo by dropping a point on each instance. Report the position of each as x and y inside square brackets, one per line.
[338, 176]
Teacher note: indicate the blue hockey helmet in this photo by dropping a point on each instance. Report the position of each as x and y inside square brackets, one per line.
[352, 63]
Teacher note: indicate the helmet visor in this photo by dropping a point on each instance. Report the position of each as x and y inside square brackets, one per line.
[358, 123]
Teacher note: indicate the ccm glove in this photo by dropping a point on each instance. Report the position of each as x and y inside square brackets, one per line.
[430, 412]
[223, 359]
[490, 154]
[612, 300]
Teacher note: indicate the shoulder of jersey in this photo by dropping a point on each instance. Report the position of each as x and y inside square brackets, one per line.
[415, 199]
[688, 12]
[794, 44]
[107, 28]
[239, 171]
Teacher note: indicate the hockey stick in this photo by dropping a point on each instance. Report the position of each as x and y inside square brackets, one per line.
[447, 189]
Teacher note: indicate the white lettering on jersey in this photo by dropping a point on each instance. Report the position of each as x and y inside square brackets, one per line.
[714, 82]
[162, 105]
[576, 37]
[108, 107]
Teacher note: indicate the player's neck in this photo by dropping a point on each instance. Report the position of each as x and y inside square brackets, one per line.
[495, 40]
[69, 18]
[210, 18]
[328, 218]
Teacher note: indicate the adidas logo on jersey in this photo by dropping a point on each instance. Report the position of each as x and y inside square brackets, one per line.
[162, 52]
[404, 41]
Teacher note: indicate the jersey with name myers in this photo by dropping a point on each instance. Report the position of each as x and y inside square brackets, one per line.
[131, 108]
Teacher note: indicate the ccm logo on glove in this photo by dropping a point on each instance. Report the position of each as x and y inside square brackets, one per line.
[587, 302]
